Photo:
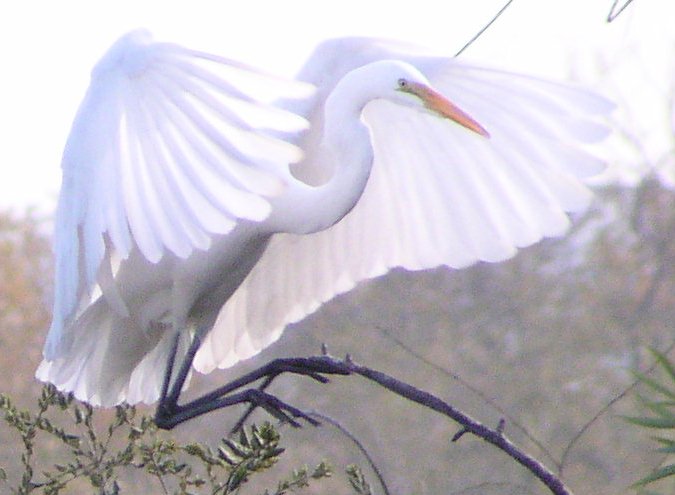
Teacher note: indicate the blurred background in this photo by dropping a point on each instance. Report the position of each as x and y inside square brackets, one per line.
[545, 341]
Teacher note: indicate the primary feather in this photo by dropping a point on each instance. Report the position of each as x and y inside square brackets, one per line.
[155, 159]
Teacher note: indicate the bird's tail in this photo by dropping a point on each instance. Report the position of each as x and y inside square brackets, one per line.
[110, 359]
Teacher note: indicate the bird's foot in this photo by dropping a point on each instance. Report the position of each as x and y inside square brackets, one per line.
[170, 414]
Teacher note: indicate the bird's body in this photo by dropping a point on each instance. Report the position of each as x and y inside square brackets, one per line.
[386, 180]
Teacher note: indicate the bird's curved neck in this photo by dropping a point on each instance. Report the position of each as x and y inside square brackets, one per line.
[346, 148]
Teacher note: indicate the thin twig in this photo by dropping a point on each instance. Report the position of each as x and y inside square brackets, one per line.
[641, 310]
[358, 444]
[603, 410]
[614, 13]
[643, 306]
[479, 393]
[480, 33]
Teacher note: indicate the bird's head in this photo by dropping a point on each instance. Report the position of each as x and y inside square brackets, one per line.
[403, 84]
[438, 104]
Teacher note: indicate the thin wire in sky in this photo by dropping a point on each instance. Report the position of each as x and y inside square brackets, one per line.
[615, 12]
[479, 33]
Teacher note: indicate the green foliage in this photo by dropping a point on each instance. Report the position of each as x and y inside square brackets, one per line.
[95, 455]
[661, 416]
[300, 478]
[358, 480]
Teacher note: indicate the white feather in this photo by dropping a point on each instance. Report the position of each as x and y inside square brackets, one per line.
[437, 195]
[150, 162]
[177, 167]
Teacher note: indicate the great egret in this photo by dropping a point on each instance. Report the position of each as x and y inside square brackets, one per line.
[182, 228]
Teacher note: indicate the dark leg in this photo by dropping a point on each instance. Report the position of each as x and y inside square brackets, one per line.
[169, 369]
[170, 414]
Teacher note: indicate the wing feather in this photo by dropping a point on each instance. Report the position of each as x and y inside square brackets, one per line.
[168, 147]
[437, 194]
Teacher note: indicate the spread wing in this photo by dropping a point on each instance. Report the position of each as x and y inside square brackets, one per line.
[437, 195]
[168, 147]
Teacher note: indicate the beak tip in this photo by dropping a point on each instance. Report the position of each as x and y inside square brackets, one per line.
[445, 108]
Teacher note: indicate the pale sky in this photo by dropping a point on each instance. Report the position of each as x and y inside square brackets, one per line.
[47, 48]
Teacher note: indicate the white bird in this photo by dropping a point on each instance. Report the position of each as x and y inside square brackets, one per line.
[191, 206]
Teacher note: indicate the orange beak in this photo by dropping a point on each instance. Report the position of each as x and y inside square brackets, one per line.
[439, 104]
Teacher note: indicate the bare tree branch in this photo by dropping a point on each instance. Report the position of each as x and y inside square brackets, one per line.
[317, 367]
[494, 436]
[479, 393]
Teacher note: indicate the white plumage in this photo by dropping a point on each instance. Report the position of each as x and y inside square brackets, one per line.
[175, 178]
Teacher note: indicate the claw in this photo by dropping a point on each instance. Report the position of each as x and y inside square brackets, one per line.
[170, 414]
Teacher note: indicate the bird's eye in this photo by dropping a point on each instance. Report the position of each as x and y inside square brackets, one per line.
[402, 84]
